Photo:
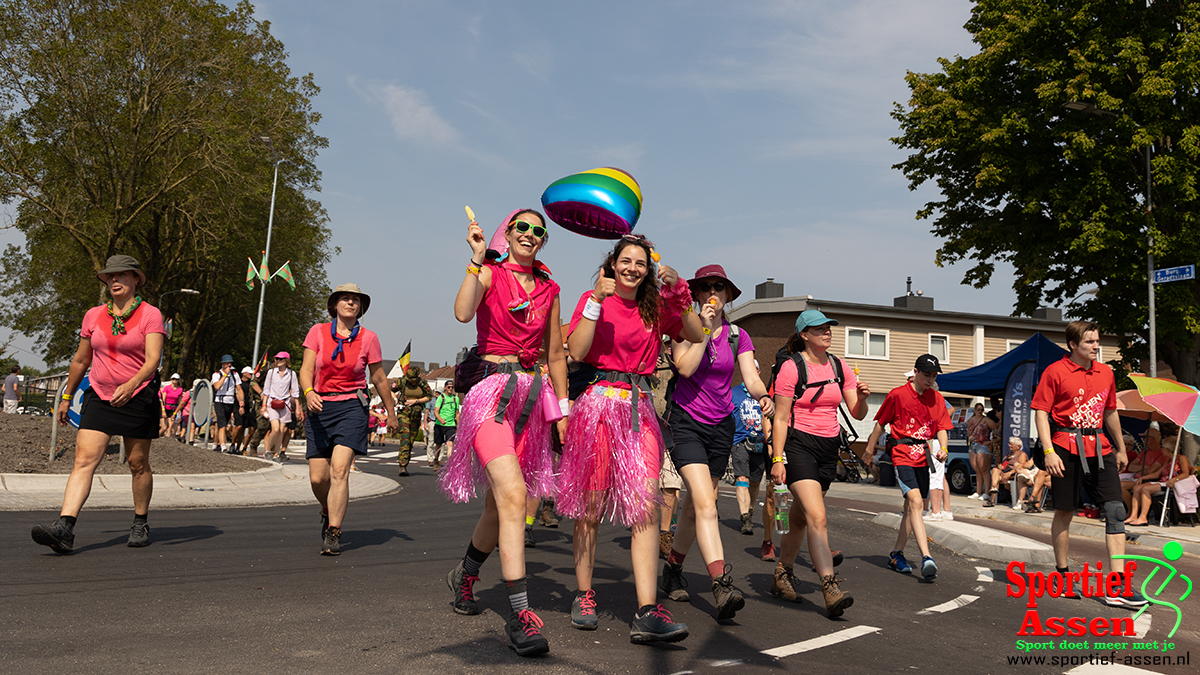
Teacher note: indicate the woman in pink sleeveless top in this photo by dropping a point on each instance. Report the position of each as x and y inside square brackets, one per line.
[504, 428]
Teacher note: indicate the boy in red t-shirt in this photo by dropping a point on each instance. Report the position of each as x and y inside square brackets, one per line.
[1074, 396]
[918, 418]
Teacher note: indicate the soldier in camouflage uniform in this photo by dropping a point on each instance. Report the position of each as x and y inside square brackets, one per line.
[414, 393]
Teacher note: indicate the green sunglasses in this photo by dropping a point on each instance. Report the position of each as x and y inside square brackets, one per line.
[539, 231]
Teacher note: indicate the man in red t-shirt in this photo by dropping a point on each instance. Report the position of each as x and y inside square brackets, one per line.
[919, 420]
[1073, 398]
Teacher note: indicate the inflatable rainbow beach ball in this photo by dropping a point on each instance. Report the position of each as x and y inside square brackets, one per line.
[602, 203]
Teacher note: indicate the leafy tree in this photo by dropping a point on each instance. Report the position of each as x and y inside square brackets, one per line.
[133, 126]
[1059, 193]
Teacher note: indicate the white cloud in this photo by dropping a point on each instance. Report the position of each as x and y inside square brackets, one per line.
[413, 117]
[537, 57]
[626, 156]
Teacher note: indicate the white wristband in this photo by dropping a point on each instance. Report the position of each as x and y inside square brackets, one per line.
[591, 310]
[565, 406]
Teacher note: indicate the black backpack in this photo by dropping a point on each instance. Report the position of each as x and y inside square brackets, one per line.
[802, 383]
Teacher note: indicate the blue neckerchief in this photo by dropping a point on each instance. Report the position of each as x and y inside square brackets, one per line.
[341, 342]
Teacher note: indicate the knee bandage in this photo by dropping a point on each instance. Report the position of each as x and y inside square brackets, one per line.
[1114, 517]
[741, 483]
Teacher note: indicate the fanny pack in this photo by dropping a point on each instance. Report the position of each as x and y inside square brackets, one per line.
[278, 403]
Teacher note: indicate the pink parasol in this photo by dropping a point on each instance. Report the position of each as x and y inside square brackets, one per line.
[1177, 401]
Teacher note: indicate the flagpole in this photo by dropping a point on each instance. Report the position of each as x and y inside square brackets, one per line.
[262, 295]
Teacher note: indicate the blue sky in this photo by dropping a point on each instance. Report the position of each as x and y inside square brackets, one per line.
[758, 132]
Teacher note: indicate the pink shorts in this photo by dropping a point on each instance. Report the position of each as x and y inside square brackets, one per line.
[495, 439]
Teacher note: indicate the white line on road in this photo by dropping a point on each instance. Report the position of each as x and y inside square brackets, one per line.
[985, 574]
[1110, 669]
[728, 662]
[1141, 625]
[869, 513]
[960, 601]
[823, 641]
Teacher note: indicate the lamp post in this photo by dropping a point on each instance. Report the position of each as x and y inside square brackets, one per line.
[1090, 109]
[262, 295]
[166, 350]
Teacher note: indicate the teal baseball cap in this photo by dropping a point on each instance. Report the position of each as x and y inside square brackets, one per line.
[813, 317]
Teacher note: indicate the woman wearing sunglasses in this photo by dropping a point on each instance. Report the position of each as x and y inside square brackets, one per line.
[701, 420]
[504, 427]
[613, 449]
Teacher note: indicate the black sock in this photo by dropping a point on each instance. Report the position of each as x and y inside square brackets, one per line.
[518, 598]
[1061, 570]
[473, 560]
[139, 518]
[643, 611]
[69, 521]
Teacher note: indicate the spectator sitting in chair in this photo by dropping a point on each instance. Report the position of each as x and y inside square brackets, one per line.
[1006, 470]
[1152, 482]
[1031, 481]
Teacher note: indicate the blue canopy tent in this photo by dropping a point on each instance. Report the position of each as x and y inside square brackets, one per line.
[988, 379]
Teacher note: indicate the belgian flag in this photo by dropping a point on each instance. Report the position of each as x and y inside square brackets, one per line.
[404, 358]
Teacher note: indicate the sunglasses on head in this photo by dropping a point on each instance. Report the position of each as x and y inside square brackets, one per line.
[539, 231]
[705, 286]
[638, 239]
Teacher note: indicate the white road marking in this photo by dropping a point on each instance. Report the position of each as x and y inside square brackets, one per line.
[1141, 625]
[388, 455]
[1110, 669]
[818, 642]
[978, 589]
[869, 513]
[960, 601]
[985, 574]
[722, 664]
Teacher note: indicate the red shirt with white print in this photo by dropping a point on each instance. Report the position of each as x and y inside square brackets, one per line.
[911, 416]
[1077, 397]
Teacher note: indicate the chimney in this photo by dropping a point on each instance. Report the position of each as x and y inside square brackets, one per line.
[912, 300]
[770, 289]
[1048, 314]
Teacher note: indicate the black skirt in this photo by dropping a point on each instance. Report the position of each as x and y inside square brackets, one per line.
[139, 418]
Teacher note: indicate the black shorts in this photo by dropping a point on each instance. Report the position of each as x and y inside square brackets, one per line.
[139, 418]
[811, 457]
[700, 443]
[442, 434]
[913, 478]
[224, 412]
[1102, 485]
[750, 460]
[338, 423]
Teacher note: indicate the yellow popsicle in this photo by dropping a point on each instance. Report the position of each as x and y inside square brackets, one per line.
[713, 301]
[654, 255]
[856, 368]
[470, 213]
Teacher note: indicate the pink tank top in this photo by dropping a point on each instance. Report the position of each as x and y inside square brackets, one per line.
[511, 321]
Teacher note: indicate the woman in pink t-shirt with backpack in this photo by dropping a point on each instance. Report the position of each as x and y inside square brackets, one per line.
[121, 342]
[613, 450]
[504, 428]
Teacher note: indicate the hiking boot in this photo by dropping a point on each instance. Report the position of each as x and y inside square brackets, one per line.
[836, 600]
[768, 551]
[525, 634]
[784, 585]
[58, 537]
[529, 542]
[728, 599]
[332, 544]
[463, 585]
[673, 585]
[665, 539]
[139, 534]
[656, 626]
[928, 568]
[583, 611]
[548, 518]
[897, 562]
[747, 526]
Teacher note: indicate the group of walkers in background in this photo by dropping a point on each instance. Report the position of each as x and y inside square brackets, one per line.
[593, 445]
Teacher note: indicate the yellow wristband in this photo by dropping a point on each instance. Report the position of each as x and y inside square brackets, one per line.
[474, 270]
[706, 331]
[68, 397]
[307, 390]
[776, 460]
[1048, 452]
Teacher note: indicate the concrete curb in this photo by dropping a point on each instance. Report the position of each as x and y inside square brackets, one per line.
[977, 541]
[273, 485]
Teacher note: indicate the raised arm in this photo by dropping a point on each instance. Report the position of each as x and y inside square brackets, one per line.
[478, 277]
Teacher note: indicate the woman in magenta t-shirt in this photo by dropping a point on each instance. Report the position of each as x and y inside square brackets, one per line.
[807, 432]
[701, 420]
[333, 378]
[515, 306]
[170, 396]
[609, 467]
[121, 341]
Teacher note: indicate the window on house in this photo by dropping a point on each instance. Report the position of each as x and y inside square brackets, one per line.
[1012, 344]
[867, 343]
[939, 346]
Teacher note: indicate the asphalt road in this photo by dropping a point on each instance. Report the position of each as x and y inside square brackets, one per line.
[230, 591]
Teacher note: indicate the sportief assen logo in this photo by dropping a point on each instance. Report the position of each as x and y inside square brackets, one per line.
[1094, 583]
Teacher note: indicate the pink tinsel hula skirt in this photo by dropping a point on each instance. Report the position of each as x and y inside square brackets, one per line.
[464, 477]
[607, 471]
